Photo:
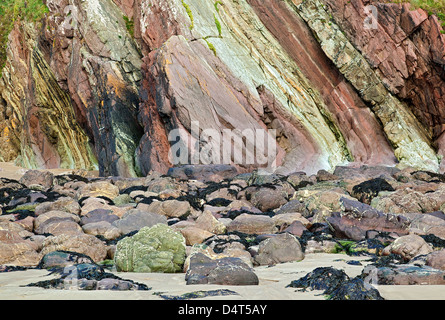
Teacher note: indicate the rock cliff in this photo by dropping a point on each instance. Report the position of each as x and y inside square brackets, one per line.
[103, 84]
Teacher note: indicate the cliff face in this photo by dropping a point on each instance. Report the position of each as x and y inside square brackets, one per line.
[104, 83]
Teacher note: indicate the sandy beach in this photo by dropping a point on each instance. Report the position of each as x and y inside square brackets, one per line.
[272, 286]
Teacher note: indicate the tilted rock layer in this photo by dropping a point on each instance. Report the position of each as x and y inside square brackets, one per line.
[104, 84]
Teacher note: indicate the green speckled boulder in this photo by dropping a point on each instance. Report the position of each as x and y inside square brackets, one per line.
[152, 249]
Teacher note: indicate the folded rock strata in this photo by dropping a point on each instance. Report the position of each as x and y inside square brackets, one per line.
[104, 84]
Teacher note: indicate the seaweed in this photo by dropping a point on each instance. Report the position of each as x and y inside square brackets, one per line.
[83, 276]
[336, 285]
[367, 190]
[434, 240]
[197, 294]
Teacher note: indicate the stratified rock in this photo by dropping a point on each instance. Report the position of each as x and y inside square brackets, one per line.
[278, 249]
[409, 38]
[224, 271]
[410, 140]
[152, 249]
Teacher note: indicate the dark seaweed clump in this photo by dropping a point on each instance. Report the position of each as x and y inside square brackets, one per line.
[79, 275]
[198, 294]
[336, 285]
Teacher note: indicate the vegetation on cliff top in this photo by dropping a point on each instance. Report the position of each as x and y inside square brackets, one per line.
[13, 10]
[432, 7]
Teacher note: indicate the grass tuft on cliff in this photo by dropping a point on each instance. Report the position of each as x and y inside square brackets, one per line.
[13, 10]
[432, 7]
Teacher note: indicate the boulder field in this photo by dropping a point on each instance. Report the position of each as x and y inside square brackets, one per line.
[213, 232]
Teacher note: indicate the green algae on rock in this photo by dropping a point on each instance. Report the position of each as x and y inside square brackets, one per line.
[152, 249]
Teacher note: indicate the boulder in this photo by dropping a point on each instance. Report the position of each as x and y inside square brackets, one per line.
[321, 203]
[169, 208]
[82, 243]
[37, 177]
[323, 175]
[252, 224]
[296, 228]
[160, 184]
[99, 215]
[408, 247]
[357, 218]
[20, 253]
[205, 173]
[436, 259]
[407, 200]
[194, 235]
[14, 250]
[293, 206]
[102, 228]
[136, 219]
[278, 249]
[59, 226]
[98, 189]
[405, 274]
[425, 224]
[267, 198]
[54, 215]
[286, 219]
[208, 222]
[61, 259]
[300, 180]
[62, 204]
[224, 271]
[151, 249]
[230, 250]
